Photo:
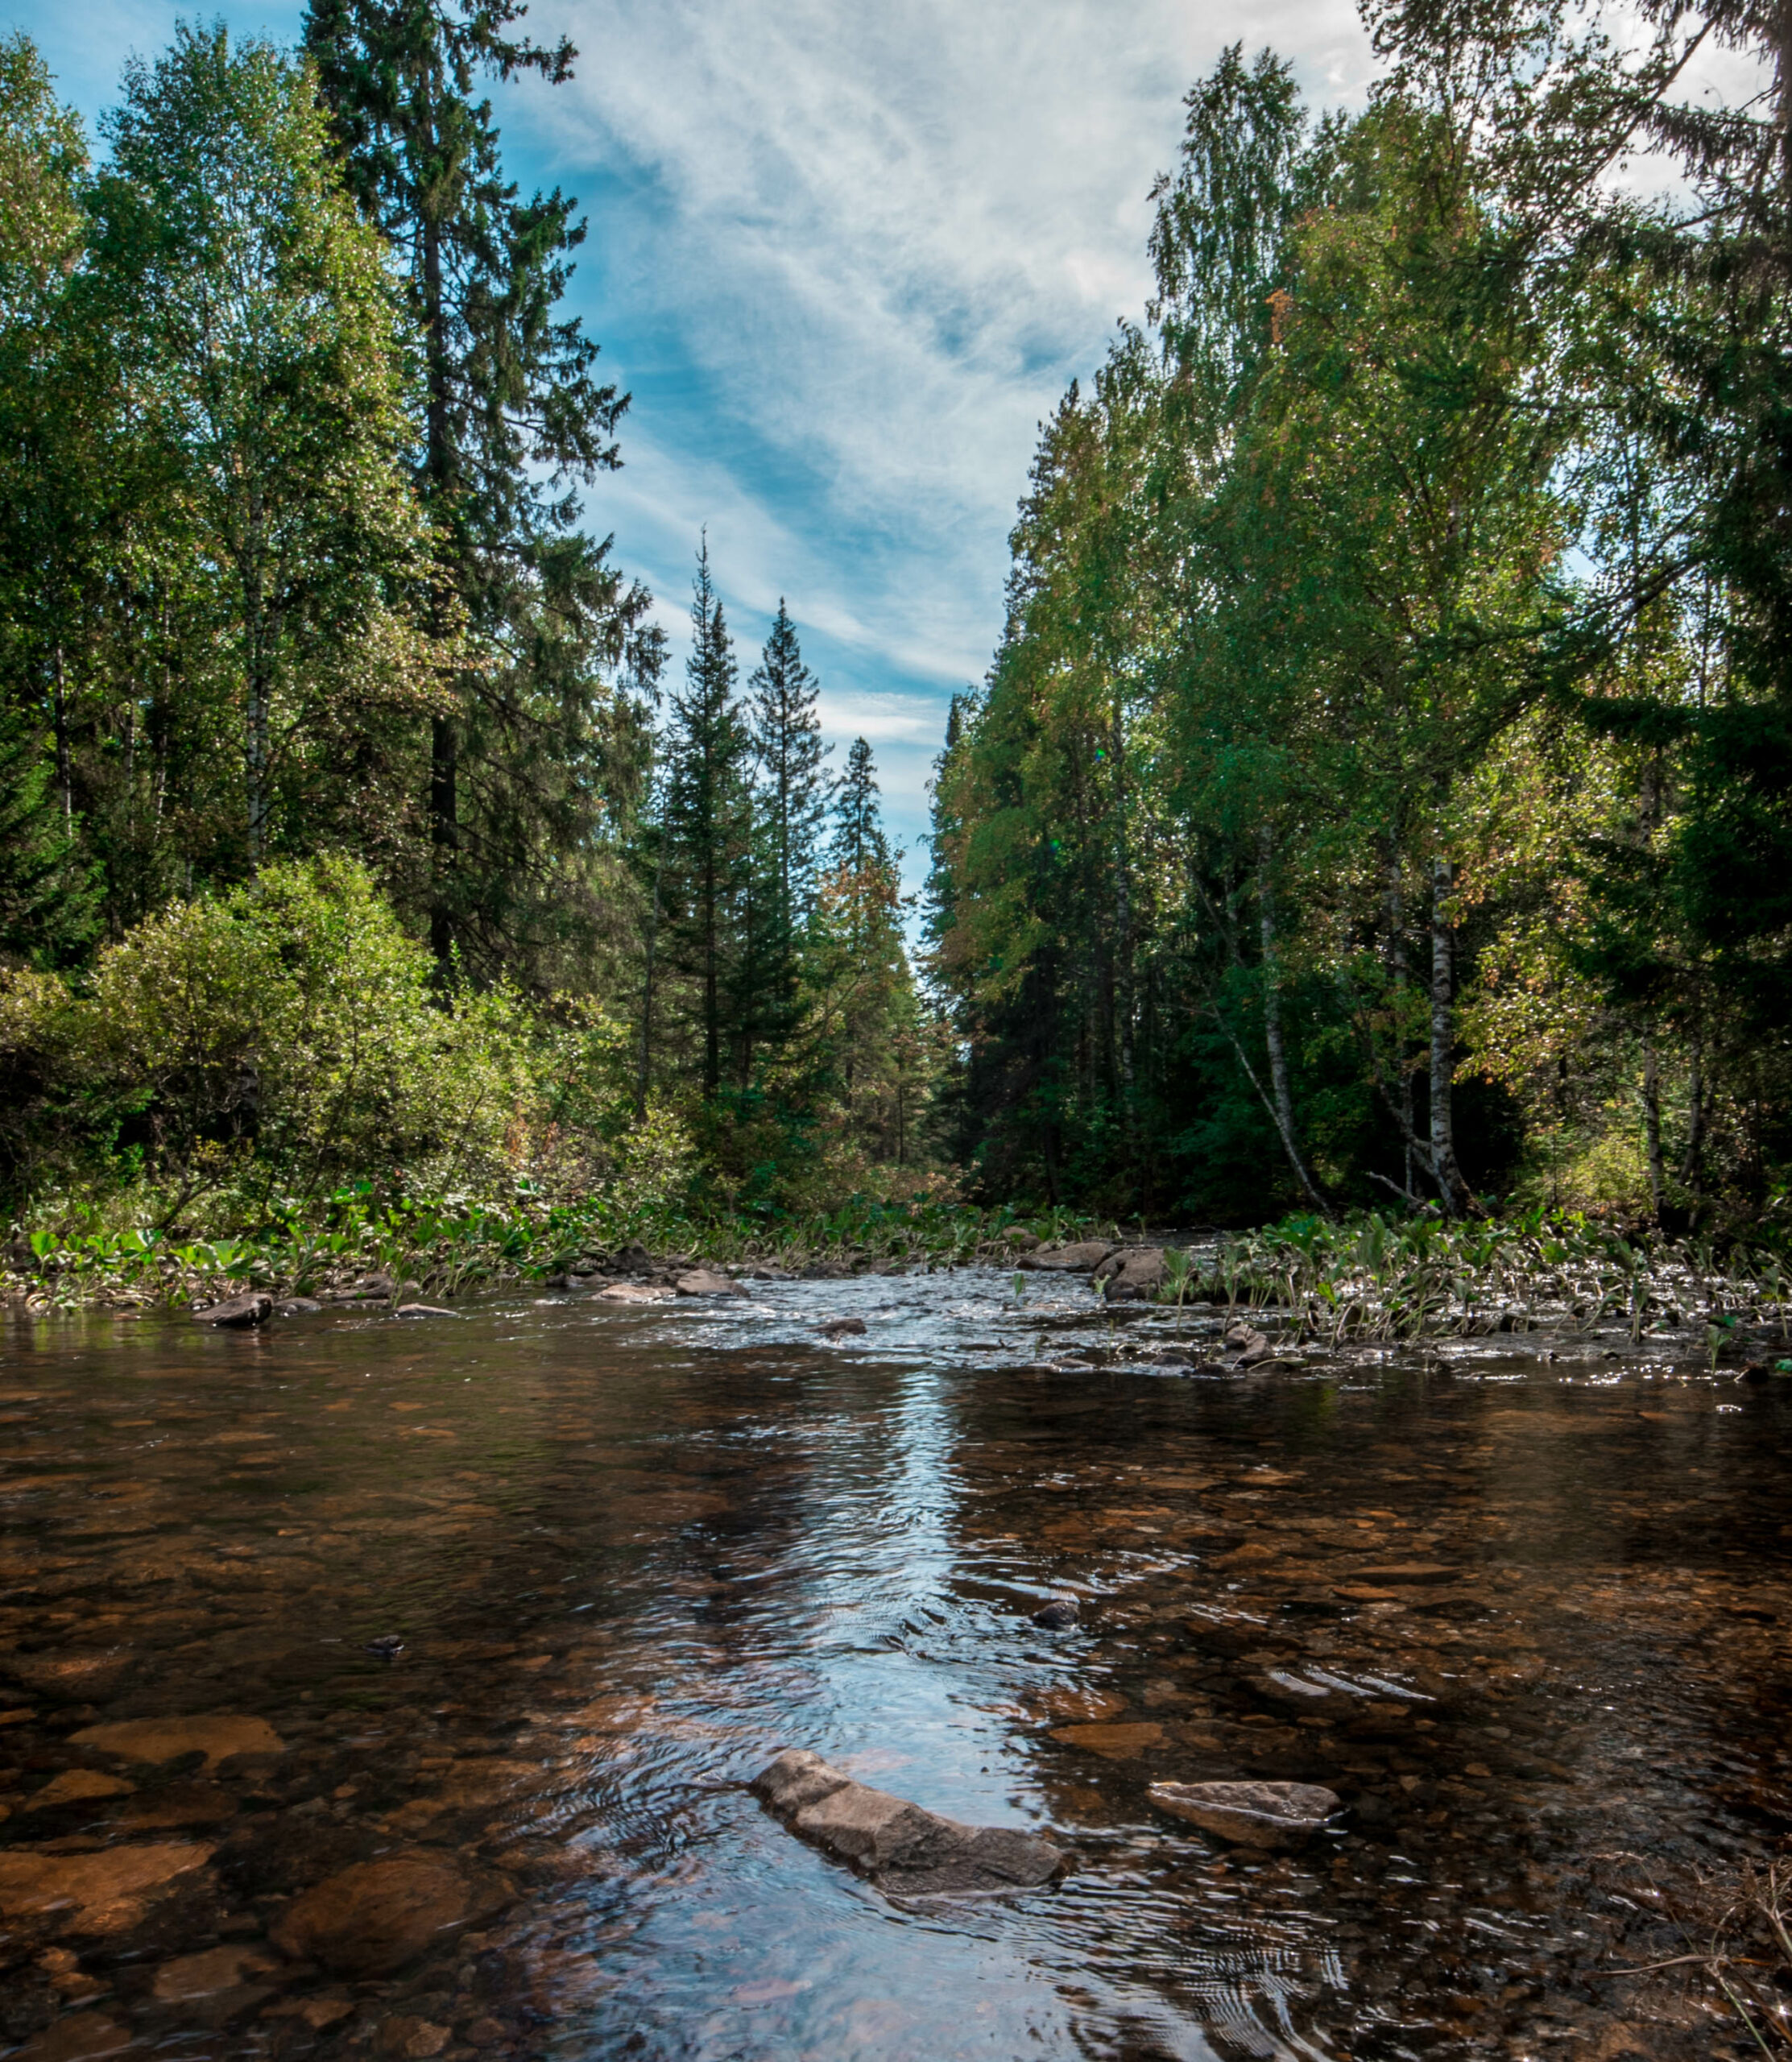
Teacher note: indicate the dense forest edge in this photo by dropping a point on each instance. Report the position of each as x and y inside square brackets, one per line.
[1376, 811]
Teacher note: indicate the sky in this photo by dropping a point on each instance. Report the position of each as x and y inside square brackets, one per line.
[845, 258]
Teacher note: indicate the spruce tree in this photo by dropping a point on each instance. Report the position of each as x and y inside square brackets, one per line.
[514, 419]
[706, 825]
[787, 738]
[859, 843]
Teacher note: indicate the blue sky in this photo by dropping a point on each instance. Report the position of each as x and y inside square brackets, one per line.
[846, 257]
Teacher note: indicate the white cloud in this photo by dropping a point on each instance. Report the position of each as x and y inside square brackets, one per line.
[886, 238]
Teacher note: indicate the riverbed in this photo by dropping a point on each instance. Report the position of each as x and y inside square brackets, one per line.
[1528, 1616]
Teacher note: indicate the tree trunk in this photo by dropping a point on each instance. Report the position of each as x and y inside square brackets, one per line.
[1652, 1125]
[1281, 1092]
[1123, 925]
[59, 713]
[1401, 972]
[1447, 1175]
[444, 832]
[1692, 1166]
[643, 1082]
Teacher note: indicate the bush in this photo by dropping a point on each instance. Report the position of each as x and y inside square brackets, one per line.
[290, 1024]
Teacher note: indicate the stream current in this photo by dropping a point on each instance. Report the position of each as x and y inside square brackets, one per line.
[1529, 1618]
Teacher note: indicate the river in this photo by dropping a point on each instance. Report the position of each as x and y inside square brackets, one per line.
[1527, 1616]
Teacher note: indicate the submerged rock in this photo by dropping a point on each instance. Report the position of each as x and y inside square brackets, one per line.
[70, 1678]
[423, 1310]
[1061, 1613]
[631, 1292]
[105, 1892]
[82, 2037]
[218, 1735]
[704, 1281]
[77, 1787]
[1266, 1815]
[238, 1313]
[297, 1307]
[904, 1849]
[841, 1328]
[373, 1917]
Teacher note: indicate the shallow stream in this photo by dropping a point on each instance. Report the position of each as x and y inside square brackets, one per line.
[1530, 1618]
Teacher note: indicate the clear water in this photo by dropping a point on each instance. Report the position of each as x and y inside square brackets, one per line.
[632, 1553]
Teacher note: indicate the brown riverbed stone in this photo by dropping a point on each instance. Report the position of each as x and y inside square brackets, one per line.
[104, 1892]
[407, 2038]
[81, 2037]
[219, 1736]
[1421, 1572]
[211, 1970]
[1113, 1743]
[373, 1917]
[178, 1804]
[318, 2012]
[77, 1785]
[73, 1679]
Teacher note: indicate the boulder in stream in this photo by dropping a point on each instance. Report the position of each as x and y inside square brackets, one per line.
[1084, 1257]
[237, 1313]
[841, 1328]
[1133, 1275]
[905, 1850]
[705, 1281]
[1268, 1815]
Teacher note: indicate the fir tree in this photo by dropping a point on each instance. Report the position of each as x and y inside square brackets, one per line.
[787, 738]
[859, 843]
[706, 823]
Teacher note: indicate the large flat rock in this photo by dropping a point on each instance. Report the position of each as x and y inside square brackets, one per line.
[1082, 1258]
[219, 1736]
[106, 1891]
[904, 1849]
[373, 1917]
[1268, 1815]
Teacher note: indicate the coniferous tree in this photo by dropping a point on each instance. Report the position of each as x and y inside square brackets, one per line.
[787, 739]
[706, 825]
[513, 421]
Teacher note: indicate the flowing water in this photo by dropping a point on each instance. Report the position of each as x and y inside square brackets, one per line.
[1529, 1618]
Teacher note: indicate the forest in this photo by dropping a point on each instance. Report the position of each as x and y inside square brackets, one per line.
[1381, 793]
[1378, 798]
[357, 845]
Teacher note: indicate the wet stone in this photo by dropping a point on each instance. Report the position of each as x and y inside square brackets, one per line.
[108, 1891]
[219, 1736]
[904, 1849]
[705, 1281]
[78, 1786]
[373, 1917]
[237, 1313]
[81, 2037]
[1262, 1815]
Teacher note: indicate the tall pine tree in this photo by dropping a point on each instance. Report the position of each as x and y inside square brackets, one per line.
[706, 827]
[787, 738]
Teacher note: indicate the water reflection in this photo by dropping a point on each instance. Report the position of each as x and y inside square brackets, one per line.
[1525, 1617]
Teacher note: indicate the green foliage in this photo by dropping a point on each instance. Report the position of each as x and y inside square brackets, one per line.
[1379, 785]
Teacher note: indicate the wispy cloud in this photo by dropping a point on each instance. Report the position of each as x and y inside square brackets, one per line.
[870, 248]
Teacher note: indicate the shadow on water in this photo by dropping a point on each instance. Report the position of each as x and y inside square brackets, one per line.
[1528, 1620]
